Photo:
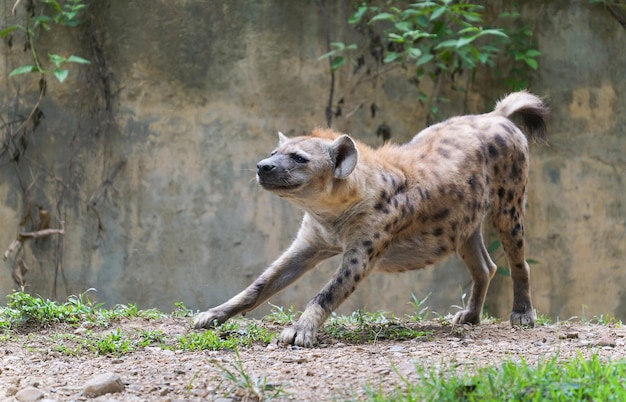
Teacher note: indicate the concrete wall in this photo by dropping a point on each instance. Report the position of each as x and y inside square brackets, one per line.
[197, 92]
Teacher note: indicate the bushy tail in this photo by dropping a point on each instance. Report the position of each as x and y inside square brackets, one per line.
[530, 108]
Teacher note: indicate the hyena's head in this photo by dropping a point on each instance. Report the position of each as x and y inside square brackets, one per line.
[303, 168]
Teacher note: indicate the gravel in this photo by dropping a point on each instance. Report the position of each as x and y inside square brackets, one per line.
[31, 368]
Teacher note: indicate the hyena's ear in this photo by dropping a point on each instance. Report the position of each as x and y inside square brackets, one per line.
[282, 138]
[345, 156]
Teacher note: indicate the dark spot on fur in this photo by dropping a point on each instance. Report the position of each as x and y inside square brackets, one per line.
[472, 181]
[519, 202]
[354, 261]
[346, 273]
[512, 212]
[429, 262]
[385, 210]
[443, 152]
[515, 171]
[492, 150]
[384, 177]
[507, 128]
[400, 189]
[501, 142]
[516, 230]
[370, 251]
[443, 214]
[387, 227]
[519, 266]
[367, 243]
[440, 250]
[496, 169]
[509, 195]
[378, 206]
[520, 243]
[339, 280]
[357, 277]
[501, 192]
[376, 235]
[467, 219]
[438, 231]
[453, 226]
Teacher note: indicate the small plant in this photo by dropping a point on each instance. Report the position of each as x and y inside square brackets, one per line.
[578, 379]
[441, 43]
[280, 316]
[421, 312]
[181, 310]
[114, 343]
[239, 383]
[229, 335]
[361, 326]
[65, 14]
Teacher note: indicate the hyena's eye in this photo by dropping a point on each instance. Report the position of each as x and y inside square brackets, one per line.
[299, 159]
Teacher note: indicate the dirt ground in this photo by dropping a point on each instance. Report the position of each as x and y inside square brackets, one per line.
[333, 370]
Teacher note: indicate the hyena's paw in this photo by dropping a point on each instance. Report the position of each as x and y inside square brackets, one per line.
[466, 317]
[525, 319]
[301, 334]
[209, 319]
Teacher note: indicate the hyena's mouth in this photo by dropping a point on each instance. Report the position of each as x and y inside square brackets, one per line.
[271, 185]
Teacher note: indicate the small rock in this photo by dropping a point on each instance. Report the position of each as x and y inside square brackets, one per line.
[569, 335]
[106, 383]
[294, 359]
[606, 341]
[396, 348]
[164, 391]
[11, 391]
[29, 394]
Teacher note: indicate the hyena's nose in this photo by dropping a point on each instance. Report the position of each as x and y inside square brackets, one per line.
[265, 167]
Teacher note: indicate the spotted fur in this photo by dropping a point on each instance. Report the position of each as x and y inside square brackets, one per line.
[400, 208]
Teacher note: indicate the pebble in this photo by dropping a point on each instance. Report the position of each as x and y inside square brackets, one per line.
[101, 384]
[29, 394]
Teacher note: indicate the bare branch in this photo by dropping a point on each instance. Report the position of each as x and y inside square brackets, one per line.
[23, 236]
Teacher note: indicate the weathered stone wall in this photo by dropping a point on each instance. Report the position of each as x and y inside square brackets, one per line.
[197, 93]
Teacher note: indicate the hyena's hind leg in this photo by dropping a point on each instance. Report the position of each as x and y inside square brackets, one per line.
[508, 221]
[482, 269]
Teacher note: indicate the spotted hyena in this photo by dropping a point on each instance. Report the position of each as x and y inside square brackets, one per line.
[400, 208]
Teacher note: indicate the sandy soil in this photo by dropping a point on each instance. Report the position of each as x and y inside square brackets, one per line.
[333, 370]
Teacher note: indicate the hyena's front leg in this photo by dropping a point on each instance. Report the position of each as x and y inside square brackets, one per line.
[301, 257]
[354, 268]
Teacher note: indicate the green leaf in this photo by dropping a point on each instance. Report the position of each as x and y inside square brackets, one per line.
[414, 52]
[464, 41]
[357, 16]
[437, 13]
[23, 70]
[40, 19]
[60, 74]
[77, 59]
[533, 53]
[531, 261]
[532, 63]
[447, 43]
[425, 58]
[396, 38]
[382, 17]
[391, 57]
[337, 62]
[10, 29]
[56, 59]
[55, 4]
[496, 32]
